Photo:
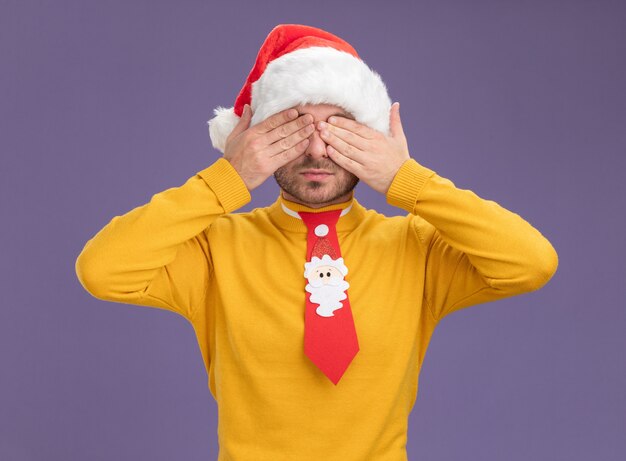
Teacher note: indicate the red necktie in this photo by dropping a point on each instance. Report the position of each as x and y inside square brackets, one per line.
[330, 339]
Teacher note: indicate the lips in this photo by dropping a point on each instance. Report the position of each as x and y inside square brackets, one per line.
[316, 175]
[316, 172]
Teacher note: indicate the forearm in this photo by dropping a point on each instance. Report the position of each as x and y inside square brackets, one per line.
[509, 253]
[124, 257]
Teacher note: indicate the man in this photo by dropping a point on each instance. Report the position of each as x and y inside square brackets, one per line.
[313, 315]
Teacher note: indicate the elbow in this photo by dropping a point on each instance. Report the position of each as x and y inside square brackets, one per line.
[542, 267]
[90, 274]
[530, 270]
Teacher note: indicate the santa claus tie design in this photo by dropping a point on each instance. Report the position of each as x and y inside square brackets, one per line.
[330, 339]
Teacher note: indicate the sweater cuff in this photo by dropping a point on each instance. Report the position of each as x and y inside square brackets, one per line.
[407, 185]
[227, 184]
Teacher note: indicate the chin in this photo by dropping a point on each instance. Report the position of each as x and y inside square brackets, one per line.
[316, 192]
[317, 197]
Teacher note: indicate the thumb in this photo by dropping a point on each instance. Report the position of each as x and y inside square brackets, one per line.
[244, 121]
[395, 123]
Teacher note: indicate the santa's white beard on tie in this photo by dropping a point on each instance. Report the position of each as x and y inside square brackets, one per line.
[328, 295]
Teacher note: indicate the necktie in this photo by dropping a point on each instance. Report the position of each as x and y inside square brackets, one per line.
[330, 339]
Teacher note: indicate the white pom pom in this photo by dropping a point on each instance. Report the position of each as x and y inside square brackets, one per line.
[221, 126]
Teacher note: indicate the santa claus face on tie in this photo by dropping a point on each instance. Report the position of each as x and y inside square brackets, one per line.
[325, 275]
[326, 283]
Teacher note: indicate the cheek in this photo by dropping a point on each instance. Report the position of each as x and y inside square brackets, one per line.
[293, 167]
[287, 171]
[315, 282]
[343, 175]
[296, 161]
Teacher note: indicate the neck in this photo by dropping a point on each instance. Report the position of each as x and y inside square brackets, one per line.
[342, 199]
[286, 214]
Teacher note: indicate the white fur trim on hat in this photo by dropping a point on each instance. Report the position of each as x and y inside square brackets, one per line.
[314, 75]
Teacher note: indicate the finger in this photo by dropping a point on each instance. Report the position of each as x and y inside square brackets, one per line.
[243, 122]
[287, 129]
[343, 147]
[290, 141]
[344, 162]
[346, 135]
[354, 126]
[286, 156]
[395, 124]
[276, 120]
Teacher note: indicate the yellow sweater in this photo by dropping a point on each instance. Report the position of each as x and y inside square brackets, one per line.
[238, 279]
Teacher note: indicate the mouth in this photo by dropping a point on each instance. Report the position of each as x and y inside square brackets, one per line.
[316, 175]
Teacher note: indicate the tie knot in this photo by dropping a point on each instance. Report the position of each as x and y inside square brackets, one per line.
[320, 223]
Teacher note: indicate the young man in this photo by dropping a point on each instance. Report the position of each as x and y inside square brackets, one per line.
[313, 315]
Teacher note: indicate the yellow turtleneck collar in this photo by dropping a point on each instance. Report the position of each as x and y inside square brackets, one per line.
[287, 222]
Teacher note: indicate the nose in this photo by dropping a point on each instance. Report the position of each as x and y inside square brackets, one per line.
[317, 147]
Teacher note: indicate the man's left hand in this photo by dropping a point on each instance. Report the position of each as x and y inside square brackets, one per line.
[365, 152]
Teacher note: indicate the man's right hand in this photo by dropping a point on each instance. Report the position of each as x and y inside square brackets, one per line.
[257, 152]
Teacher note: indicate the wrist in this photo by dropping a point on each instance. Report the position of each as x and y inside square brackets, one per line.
[227, 184]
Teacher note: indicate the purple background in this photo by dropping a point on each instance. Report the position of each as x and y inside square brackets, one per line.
[104, 104]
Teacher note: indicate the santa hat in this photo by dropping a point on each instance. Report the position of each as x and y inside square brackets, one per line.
[300, 64]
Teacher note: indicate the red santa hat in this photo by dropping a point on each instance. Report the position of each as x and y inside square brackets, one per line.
[300, 64]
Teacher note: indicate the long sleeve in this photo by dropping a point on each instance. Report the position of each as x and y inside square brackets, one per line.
[158, 254]
[475, 250]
